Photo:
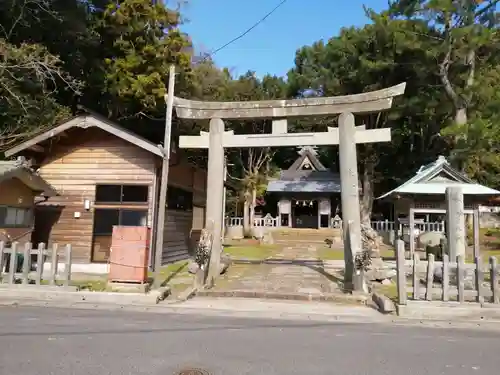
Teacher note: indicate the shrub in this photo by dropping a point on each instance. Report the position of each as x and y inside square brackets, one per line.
[437, 251]
[363, 260]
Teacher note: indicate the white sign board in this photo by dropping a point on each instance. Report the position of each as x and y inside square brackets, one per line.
[285, 207]
[325, 207]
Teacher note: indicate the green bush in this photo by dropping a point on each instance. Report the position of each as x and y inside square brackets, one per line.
[437, 251]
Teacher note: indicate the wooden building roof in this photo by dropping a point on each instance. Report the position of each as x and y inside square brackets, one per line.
[434, 178]
[18, 169]
[307, 174]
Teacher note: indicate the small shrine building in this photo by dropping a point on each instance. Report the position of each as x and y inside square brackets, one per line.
[307, 192]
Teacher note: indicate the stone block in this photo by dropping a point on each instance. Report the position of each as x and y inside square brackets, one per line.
[384, 303]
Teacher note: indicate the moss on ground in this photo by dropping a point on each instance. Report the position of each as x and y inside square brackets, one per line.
[255, 252]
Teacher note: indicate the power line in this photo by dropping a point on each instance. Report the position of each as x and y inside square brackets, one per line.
[266, 16]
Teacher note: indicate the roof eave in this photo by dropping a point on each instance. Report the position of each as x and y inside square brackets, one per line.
[86, 121]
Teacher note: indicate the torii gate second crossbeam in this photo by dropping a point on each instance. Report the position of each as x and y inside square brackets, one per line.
[347, 135]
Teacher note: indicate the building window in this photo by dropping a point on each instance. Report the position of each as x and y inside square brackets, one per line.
[106, 218]
[15, 217]
[121, 194]
[179, 199]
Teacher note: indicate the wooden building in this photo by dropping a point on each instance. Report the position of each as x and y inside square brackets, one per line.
[422, 197]
[307, 192]
[19, 186]
[106, 175]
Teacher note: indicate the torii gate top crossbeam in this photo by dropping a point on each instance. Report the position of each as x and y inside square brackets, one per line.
[368, 102]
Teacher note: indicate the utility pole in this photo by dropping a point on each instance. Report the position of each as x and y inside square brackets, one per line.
[162, 205]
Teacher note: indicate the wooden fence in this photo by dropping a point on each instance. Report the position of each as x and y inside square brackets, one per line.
[446, 280]
[31, 272]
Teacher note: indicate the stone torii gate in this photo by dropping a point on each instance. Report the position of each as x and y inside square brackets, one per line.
[347, 135]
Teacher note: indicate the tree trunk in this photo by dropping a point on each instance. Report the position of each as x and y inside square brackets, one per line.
[253, 203]
[461, 116]
[246, 216]
[366, 201]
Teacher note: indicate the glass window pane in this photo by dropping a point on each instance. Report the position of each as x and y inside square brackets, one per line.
[104, 219]
[108, 193]
[134, 218]
[3, 215]
[135, 193]
[20, 216]
[10, 218]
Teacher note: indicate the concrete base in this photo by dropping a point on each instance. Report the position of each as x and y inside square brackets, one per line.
[91, 268]
[449, 311]
[49, 295]
[341, 298]
[128, 287]
[42, 288]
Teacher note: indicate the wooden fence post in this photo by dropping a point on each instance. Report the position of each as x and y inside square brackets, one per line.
[446, 277]
[39, 263]
[416, 279]
[13, 263]
[401, 272]
[430, 277]
[2, 257]
[460, 278]
[479, 279]
[67, 266]
[53, 264]
[27, 263]
[494, 279]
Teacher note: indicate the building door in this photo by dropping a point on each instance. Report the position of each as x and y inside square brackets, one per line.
[45, 219]
[305, 214]
[125, 205]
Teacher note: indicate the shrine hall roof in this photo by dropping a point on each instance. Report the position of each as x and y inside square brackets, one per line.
[305, 186]
[307, 174]
[434, 178]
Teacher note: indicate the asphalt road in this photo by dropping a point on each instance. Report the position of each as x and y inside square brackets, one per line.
[40, 341]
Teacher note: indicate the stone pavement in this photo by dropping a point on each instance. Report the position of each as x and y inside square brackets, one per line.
[298, 274]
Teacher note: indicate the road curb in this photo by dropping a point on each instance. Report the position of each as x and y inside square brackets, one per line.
[311, 297]
[429, 310]
[342, 315]
[52, 294]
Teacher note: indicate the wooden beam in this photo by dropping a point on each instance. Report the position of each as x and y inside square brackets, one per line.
[333, 129]
[368, 102]
[36, 148]
[286, 140]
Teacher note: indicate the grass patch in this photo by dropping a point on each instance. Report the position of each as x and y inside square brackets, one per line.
[485, 256]
[252, 252]
[489, 238]
[171, 271]
[330, 254]
[390, 291]
[91, 285]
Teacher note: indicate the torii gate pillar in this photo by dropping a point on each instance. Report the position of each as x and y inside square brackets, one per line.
[351, 222]
[215, 199]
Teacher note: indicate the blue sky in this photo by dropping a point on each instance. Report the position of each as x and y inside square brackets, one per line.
[270, 48]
